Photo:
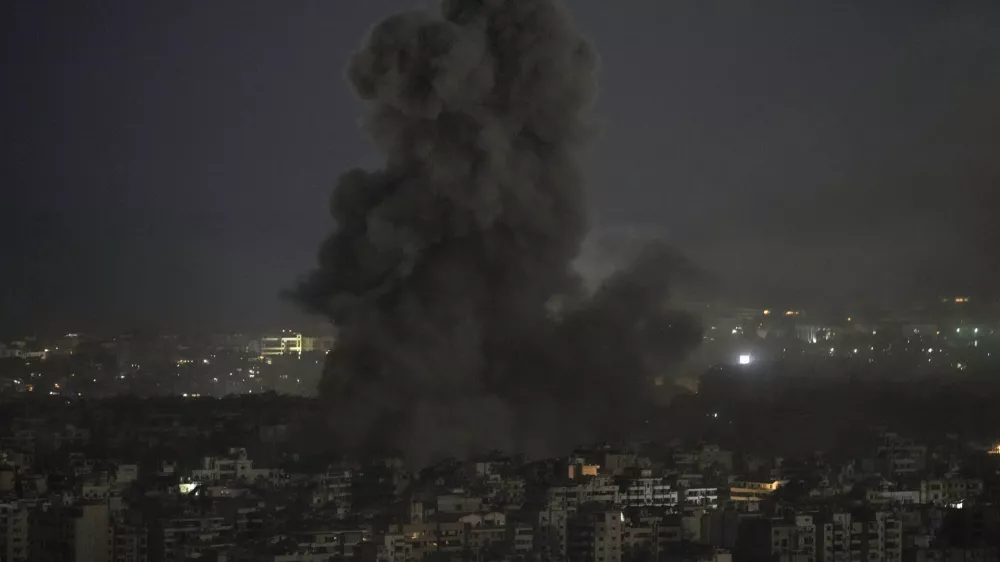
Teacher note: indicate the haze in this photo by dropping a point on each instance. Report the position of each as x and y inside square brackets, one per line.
[168, 165]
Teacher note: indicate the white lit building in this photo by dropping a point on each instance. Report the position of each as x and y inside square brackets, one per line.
[702, 497]
[649, 492]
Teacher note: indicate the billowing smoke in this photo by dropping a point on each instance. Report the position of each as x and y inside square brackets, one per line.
[462, 325]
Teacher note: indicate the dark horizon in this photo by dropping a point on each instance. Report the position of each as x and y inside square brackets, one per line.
[169, 167]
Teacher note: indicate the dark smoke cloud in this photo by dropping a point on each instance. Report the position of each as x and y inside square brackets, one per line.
[463, 326]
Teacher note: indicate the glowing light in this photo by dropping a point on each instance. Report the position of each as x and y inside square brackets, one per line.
[734, 330]
[848, 318]
[789, 313]
[745, 359]
[767, 312]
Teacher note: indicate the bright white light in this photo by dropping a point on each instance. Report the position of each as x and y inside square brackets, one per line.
[744, 359]
[715, 415]
[734, 330]
[975, 331]
[855, 350]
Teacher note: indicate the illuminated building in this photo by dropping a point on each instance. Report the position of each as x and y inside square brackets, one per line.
[742, 491]
[649, 492]
[281, 345]
[289, 343]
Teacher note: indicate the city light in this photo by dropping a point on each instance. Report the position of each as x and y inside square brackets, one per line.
[745, 359]
[767, 312]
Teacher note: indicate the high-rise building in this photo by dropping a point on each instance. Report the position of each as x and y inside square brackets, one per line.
[14, 546]
[291, 343]
[595, 536]
[71, 534]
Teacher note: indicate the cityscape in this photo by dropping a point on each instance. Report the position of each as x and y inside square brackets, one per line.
[183, 447]
[951, 335]
[500, 281]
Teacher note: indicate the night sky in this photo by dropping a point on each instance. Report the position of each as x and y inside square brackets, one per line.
[167, 165]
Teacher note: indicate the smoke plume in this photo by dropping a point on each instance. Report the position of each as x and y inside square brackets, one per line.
[462, 325]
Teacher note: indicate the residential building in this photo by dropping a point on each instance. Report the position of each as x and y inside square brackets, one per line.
[14, 529]
[595, 536]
